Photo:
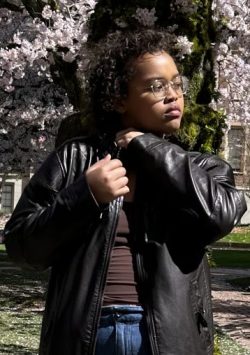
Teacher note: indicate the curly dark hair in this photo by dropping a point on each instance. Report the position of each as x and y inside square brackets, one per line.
[111, 69]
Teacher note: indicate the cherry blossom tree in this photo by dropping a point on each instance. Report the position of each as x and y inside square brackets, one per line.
[232, 58]
[43, 55]
[232, 69]
[38, 86]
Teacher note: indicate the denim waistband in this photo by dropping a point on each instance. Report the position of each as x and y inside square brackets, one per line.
[123, 309]
[126, 314]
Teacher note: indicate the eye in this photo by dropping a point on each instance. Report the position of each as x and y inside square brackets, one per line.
[177, 84]
[158, 86]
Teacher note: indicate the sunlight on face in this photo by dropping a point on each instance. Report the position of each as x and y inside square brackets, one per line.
[145, 110]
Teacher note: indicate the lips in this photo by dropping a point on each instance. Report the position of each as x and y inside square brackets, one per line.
[173, 111]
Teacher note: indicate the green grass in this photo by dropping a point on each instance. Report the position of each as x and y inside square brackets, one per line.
[231, 258]
[227, 346]
[22, 297]
[19, 332]
[239, 235]
[237, 238]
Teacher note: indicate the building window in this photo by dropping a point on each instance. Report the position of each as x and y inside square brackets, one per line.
[7, 198]
[236, 142]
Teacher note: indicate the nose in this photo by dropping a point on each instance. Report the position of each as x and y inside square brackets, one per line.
[171, 95]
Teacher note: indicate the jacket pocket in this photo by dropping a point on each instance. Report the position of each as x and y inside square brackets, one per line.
[200, 316]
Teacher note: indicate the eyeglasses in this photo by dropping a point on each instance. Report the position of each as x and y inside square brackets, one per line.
[160, 88]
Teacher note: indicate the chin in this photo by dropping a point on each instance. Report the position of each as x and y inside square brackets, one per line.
[172, 126]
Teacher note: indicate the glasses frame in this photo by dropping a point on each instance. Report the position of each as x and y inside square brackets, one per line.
[168, 84]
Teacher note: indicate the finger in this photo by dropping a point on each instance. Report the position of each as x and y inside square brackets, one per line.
[113, 164]
[117, 173]
[121, 182]
[118, 184]
[121, 192]
[105, 159]
[124, 131]
[122, 142]
[100, 163]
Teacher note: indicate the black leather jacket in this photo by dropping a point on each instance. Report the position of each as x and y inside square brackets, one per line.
[183, 202]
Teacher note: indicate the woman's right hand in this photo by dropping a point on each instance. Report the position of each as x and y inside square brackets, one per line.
[107, 179]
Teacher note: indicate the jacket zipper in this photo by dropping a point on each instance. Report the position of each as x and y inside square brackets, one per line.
[118, 204]
[143, 277]
[149, 314]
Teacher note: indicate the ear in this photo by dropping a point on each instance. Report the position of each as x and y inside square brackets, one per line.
[120, 106]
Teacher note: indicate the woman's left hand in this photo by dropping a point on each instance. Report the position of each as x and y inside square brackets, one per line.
[124, 137]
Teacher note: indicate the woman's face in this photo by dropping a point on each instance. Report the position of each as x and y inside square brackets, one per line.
[153, 112]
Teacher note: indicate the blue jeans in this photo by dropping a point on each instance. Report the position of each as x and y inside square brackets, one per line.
[122, 331]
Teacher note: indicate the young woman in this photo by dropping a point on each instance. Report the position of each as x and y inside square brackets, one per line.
[146, 292]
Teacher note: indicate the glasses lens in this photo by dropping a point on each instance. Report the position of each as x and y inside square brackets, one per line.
[178, 85]
[185, 84]
[161, 89]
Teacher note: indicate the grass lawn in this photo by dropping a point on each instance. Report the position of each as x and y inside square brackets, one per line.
[231, 258]
[19, 332]
[22, 296]
[238, 235]
[2, 247]
[227, 346]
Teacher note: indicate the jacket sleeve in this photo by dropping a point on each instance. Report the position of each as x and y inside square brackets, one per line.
[203, 185]
[49, 216]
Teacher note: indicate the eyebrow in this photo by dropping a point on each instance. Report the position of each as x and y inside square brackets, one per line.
[153, 78]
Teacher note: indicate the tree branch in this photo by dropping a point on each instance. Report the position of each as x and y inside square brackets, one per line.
[34, 7]
[17, 6]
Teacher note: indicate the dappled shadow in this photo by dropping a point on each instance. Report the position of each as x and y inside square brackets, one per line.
[16, 349]
[218, 285]
[21, 289]
[4, 257]
[226, 279]
[232, 313]
[22, 299]
[234, 307]
[21, 323]
[231, 303]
